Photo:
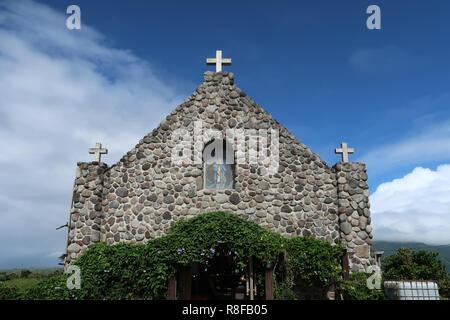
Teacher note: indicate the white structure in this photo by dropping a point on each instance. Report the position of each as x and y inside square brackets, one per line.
[218, 61]
[412, 290]
[98, 151]
[344, 151]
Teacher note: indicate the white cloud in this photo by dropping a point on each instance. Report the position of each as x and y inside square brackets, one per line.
[431, 144]
[414, 208]
[61, 91]
[384, 60]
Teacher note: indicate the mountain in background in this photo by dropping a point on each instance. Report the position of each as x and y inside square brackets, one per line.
[391, 247]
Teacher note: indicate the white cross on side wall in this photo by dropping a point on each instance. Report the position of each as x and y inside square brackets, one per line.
[98, 151]
[345, 151]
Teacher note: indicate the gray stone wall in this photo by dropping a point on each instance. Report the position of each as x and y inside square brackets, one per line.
[86, 214]
[354, 213]
[145, 193]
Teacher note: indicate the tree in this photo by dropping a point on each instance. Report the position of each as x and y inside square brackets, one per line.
[407, 264]
[25, 273]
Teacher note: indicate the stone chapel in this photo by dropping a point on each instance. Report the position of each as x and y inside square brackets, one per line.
[141, 196]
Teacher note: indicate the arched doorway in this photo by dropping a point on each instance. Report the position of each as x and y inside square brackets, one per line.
[218, 261]
[220, 279]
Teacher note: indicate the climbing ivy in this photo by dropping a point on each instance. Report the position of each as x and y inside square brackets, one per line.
[314, 261]
[130, 271]
[207, 235]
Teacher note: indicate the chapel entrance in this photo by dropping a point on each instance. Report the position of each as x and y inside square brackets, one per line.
[220, 279]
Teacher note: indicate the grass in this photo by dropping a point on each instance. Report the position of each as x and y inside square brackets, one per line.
[22, 283]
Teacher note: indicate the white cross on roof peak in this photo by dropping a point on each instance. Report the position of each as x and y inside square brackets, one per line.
[218, 61]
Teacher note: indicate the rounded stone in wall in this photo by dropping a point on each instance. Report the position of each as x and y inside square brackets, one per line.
[86, 193]
[366, 212]
[122, 192]
[362, 234]
[139, 237]
[235, 199]
[362, 222]
[290, 229]
[86, 240]
[169, 199]
[346, 228]
[259, 198]
[221, 198]
[74, 248]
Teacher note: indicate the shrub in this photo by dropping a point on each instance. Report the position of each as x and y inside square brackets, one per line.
[356, 288]
[314, 261]
[407, 264]
[125, 271]
[444, 287]
[52, 288]
[4, 276]
[130, 271]
[310, 264]
[25, 273]
[282, 291]
[8, 292]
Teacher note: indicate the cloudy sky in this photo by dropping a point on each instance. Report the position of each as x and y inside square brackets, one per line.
[313, 65]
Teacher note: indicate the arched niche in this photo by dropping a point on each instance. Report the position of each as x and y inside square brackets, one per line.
[218, 165]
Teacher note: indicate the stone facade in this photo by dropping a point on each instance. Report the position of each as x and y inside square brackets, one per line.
[142, 195]
[354, 213]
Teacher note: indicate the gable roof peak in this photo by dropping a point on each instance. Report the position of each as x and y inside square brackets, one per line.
[216, 78]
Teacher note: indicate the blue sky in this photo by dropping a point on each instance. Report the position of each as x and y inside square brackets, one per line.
[312, 64]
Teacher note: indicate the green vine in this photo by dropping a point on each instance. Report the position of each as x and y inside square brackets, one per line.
[130, 271]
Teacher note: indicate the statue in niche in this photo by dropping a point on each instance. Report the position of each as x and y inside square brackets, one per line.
[219, 174]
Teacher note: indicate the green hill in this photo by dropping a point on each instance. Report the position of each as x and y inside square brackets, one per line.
[390, 247]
